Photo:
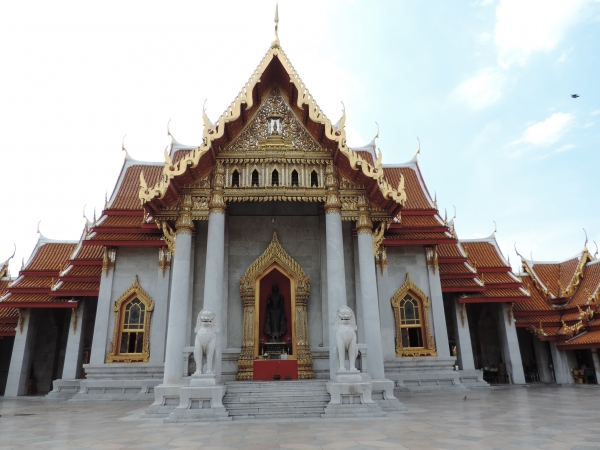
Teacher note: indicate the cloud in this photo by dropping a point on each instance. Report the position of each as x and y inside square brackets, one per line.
[524, 27]
[548, 131]
[564, 148]
[481, 90]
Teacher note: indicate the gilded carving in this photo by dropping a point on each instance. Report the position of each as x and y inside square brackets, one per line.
[332, 203]
[381, 259]
[432, 257]
[364, 225]
[109, 257]
[274, 254]
[134, 291]
[216, 203]
[429, 348]
[184, 224]
[378, 236]
[168, 235]
[164, 260]
[274, 118]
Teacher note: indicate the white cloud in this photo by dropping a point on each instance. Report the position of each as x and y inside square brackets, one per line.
[481, 90]
[595, 113]
[484, 37]
[545, 133]
[524, 27]
[564, 148]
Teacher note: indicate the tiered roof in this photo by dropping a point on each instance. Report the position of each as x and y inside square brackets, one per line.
[33, 288]
[566, 301]
[8, 316]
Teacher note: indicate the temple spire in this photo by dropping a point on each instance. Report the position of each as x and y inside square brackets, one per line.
[275, 43]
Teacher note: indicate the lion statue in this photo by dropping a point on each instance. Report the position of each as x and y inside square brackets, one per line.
[206, 336]
[345, 334]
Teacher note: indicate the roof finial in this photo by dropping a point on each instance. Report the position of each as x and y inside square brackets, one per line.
[435, 199]
[168, 130]
[517, 252]
[275, 43]
[596, 254]
[38, 228]
[105, 199]
[586, 239]
[445, 217]
[495, 227]
[418, 150]
[123, 148]
[454, 212]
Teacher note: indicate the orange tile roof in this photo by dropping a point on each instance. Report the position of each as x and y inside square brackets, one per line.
[7, 327]
[89, 252]
[34, 282]
[484, 254]
[461, 282]
[588, 286]
[551, 331]
[51, 257]
[505, 293]
[416, 197]
[9, 313]
[27, 298]
[3, 286]
[127, 197]
[121, 221]
[537, 318]
[84, 271]
[72, 286]
[417, 236]
[456, 268]
[537, 302]
[420, 221]
[499, 278]
[449, 251]
[591, 337]
[126, 237]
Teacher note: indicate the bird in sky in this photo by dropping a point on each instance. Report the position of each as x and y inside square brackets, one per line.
[574, 96]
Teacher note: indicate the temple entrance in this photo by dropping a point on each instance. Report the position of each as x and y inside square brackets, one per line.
[275, 354]
[275, 291]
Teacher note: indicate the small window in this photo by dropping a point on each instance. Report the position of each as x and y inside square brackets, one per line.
[255, 178]
[294, 178]
[314, 179]
[275, 178]
[235, 179]
[410, 323]
[132, 333]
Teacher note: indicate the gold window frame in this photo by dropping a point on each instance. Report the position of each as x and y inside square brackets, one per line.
[134, 291]
[428, 349]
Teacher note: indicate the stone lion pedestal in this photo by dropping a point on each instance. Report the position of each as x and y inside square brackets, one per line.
[201, 401]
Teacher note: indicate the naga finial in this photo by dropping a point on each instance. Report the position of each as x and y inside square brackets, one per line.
[275, 43]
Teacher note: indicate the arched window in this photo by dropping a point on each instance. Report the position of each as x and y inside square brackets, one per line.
[411, 314]
[235, 179]
[294, 178]
[314, 179]
[255, 177]
[410, 322]
[130, 342]
[275, 178]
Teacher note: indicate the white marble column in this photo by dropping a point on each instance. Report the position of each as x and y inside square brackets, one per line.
[368, 292]
[386, 313]
[596, 360]
[438, 316]
[100, 341]
[509, 344]
[74, 350]
[462, 334]
[158, 330]
[336, 279]
[180, 295]
[542, 361]
[213, 281]
[20, 361]
[560, 362]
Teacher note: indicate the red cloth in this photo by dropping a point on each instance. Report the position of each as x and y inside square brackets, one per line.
[265, 369]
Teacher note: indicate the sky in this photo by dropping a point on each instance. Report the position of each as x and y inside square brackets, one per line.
[484, 84]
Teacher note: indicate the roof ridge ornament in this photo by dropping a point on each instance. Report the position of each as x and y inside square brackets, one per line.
[586, 240]
[275, 43]
[418, 150]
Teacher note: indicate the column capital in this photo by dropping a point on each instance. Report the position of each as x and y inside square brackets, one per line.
[364, 223]
[184, 222]
[216, 204]
[332, 204]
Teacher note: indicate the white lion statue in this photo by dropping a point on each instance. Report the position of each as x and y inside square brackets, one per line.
[206, 336]
[345, 334]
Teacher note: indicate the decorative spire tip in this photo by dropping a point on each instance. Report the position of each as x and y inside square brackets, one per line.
[275, 43]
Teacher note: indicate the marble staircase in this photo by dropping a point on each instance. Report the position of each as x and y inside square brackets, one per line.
[275, 399]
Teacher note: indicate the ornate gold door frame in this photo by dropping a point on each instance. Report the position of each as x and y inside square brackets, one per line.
[274, 257]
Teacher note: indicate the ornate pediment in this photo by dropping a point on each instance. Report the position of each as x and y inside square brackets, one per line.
[274, 128]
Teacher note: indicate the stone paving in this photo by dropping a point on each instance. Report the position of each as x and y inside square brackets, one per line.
[509, 418]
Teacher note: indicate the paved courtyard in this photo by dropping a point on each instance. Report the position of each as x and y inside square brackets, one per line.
[509, 418]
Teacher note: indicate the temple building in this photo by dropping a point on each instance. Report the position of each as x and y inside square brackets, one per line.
[273, 227]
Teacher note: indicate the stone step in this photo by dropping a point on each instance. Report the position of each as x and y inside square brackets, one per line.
[276, 401]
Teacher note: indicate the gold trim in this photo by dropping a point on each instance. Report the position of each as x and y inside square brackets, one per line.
[275, 256]
[410, 287]
[109, 257]
[432, 257]
[212, 132]
[364, 223]
[135, 290]
[378, 236]
[184, 224]
[216, 204]
[381, 259]
[164, 260]
[332, 203]
[168, 235]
